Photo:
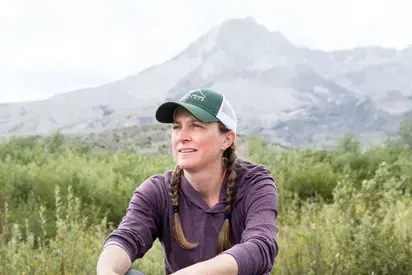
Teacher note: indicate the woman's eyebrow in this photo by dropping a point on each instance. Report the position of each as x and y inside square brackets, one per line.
[192, 120]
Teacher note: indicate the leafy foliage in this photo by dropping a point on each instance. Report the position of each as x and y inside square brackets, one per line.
[346, 211]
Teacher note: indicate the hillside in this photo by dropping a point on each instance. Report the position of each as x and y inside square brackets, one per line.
[288, 94]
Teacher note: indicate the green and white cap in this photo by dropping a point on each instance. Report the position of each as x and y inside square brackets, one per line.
[204, 104]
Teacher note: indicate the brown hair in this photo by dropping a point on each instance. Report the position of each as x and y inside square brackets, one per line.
[224, 240]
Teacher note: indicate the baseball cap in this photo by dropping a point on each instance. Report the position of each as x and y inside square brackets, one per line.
[205, 104]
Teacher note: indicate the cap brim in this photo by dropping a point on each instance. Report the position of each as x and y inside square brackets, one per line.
[165, 112]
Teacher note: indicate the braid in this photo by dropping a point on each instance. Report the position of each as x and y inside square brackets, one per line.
[177, 225]
[224, 239]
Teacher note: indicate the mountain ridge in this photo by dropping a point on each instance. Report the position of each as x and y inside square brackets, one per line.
[277, 88]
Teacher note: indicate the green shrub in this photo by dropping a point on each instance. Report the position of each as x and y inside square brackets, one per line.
[343, 211]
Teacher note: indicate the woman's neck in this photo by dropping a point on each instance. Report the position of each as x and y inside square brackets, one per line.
[207, 182]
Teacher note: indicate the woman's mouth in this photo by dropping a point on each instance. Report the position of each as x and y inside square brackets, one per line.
[189, 150]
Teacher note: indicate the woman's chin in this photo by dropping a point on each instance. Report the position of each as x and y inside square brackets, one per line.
[187, 164]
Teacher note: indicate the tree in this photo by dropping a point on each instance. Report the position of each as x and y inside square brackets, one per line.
[405, 131]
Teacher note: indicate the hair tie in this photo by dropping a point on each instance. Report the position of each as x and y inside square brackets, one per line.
[175, 208]
[228, 216]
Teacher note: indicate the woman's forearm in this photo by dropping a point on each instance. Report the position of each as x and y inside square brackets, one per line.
[222, 264]
[113, 260]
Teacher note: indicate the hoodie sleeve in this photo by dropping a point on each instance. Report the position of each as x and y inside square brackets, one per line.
[140, 226]
[258, 247]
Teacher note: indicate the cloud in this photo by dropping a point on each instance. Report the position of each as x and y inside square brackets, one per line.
[50, 47]
[46, 41]
[335, 24]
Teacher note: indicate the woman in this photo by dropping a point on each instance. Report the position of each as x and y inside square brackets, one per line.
[213, 214]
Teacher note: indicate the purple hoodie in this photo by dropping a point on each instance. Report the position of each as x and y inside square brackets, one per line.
[254, 212]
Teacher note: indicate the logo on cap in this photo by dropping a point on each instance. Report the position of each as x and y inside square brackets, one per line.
[196, 94]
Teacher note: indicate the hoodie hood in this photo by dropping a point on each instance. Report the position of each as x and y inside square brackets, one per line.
[251, 177]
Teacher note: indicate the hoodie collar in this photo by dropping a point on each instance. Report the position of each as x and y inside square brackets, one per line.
[196, 198]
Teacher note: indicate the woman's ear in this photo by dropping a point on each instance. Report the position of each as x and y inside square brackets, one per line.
[230, 138]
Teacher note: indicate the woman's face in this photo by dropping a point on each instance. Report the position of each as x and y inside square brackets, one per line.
[196, 144]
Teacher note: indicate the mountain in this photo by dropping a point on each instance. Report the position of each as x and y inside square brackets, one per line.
[295, 95]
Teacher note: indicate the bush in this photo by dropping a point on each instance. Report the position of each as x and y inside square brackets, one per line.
[346, 211]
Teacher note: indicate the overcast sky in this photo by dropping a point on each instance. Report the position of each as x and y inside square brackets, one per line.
[50, 47]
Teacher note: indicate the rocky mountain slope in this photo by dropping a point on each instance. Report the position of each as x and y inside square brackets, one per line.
[293, 95]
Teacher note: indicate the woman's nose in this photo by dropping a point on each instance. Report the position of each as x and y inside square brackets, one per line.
[185, 138]
[184, 135]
